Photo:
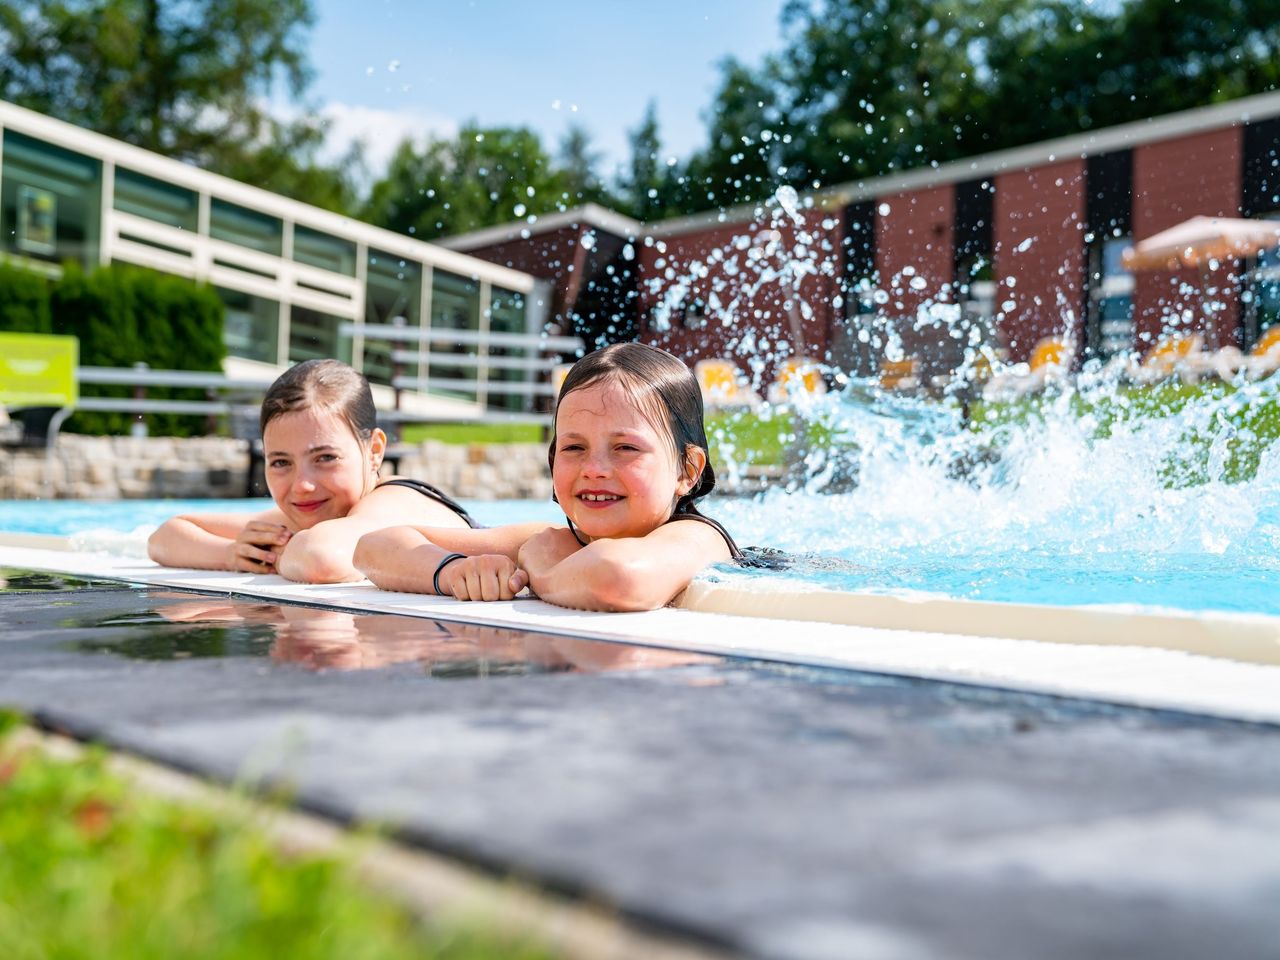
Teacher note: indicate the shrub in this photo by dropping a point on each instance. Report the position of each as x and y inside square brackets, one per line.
[124, 315]
[24, 301]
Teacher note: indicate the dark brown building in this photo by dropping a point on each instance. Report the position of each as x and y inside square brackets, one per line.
[1026, 243]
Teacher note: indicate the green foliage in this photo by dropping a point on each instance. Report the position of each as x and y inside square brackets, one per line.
[579, 163]
[92, 869]
[185, 78]
[125, 315]
[649, 186]
[1227, 446]
[24, 301]
[860, 90]
[483, 177]
[767, 437]
[473, 432]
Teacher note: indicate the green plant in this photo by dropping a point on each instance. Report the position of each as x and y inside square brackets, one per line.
[24, 301]
[92, 869]
[124, 315]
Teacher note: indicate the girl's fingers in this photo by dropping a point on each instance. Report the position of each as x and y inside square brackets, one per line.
[518, 581]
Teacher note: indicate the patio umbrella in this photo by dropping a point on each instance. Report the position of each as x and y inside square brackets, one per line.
[1199, 242]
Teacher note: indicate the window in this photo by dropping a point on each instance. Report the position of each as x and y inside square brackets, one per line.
[455, 305]
[393, 294]
[156, 200]
[1110, 330]
[314, 336]
[252, 328]
[50, 201]
[245, 227]
[507, 315]
[317, 249]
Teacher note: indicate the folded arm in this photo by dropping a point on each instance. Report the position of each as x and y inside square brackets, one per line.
[405, 559]
[248, 543]
[324, 553]
[631, 573]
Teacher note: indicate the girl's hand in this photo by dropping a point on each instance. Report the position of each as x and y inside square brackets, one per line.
[257, 547]
[544, 550]
[489, 576]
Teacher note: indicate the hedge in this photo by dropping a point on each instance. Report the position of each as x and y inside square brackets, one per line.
[122, 315]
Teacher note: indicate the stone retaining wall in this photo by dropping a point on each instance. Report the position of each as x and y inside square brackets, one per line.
[110, 468]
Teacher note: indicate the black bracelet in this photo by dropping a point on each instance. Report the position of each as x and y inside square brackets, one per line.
[435, 578]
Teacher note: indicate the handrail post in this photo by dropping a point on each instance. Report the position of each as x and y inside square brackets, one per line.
[139, 426]
[397, 370]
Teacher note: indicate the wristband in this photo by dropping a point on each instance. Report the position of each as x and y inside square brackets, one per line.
[435, 578]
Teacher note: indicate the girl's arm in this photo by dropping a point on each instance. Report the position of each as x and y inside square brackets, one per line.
[220, 541]
[631, 573]
[323, 553]
[405, 559]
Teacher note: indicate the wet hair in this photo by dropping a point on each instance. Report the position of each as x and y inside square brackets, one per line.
[664, 388]
[323, 385]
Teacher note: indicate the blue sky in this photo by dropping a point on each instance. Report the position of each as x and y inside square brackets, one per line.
[387, 68]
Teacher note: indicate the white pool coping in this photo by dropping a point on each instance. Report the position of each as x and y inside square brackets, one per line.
[1223, 665]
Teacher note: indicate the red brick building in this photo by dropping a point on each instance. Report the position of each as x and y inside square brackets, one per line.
[1028, 240]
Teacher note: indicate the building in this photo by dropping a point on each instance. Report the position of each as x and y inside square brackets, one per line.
[1021, 244]
[289, 273]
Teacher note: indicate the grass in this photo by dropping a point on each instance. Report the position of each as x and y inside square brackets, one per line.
[765, 438]
[90, 868]
[756, 438]
[1243, 431]
[473, 432]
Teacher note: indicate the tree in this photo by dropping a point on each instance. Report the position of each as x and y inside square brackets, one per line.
[578, 163]
[865, 87]
[744, 158]
[185, 78]
[483, 177]
[649, 185]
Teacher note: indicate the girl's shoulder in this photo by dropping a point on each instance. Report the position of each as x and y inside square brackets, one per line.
[734, 552]
[431, 493]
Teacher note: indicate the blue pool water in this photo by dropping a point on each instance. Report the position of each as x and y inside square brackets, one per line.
[1179, 509]
[887, 557]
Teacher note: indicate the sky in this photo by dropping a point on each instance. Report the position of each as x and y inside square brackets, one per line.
[385, 69]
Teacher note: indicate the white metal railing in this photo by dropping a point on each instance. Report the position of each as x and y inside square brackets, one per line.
[536, 368]
[162, 247]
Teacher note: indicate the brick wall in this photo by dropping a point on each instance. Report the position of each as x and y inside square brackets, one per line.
[1040, 255]
[769, 289]
[1173, 181]
[915, 260]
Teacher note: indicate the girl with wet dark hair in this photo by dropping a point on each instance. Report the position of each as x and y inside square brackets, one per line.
[629, 461]
[323, 451]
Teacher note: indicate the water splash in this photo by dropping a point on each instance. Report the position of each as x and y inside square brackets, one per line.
[1094, 491]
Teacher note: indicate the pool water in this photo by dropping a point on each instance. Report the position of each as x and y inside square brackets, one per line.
[1113, 505]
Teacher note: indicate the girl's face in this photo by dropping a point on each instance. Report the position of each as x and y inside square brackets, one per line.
[615, 473]
[316, 468]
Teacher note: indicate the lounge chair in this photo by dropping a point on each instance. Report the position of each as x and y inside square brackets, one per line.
[723, 384]
[798, 378]
[1170, 356]
[900, 375]
[1264, 359]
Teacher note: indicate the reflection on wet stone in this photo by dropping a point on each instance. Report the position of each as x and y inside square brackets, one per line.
[33, 581]
[181, 626]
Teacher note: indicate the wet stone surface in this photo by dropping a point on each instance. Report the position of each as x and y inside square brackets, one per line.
[783, 811]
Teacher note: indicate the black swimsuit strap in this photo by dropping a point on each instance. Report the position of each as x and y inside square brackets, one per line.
[431, 493]
[738, 555]
[734, 551]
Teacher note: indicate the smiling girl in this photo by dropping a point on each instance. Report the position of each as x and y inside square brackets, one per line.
[323, 450]
[628, 460]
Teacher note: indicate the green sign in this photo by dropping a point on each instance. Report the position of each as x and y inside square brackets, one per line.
[38, 370]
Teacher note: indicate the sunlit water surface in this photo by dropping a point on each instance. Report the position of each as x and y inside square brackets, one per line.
[1079, 500]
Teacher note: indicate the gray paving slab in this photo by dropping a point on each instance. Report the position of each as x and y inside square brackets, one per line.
[784, 812]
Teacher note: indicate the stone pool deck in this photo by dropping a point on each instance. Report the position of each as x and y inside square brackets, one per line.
[775, 811]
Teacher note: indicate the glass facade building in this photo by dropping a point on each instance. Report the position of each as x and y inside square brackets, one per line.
[293, 277]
